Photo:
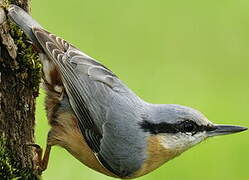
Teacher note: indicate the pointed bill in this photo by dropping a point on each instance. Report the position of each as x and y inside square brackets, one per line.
[225, 129]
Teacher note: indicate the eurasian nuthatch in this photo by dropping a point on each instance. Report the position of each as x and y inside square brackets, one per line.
[100, 121]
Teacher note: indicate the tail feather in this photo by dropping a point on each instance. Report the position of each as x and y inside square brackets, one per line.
[24, 21]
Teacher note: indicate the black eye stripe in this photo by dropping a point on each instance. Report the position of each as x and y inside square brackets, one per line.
[184, 127]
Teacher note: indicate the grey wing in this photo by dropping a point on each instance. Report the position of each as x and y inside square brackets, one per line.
[90, 87]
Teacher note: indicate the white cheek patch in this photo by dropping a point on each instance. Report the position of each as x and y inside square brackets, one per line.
[180, 141]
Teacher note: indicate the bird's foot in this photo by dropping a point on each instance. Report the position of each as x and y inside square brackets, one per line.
[41, 161]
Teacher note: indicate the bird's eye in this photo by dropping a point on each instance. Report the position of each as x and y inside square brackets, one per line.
[188, 126]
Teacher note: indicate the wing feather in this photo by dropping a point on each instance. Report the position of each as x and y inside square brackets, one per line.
[84, 78]
[56, 48]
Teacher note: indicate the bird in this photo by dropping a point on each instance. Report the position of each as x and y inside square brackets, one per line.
[99, 120]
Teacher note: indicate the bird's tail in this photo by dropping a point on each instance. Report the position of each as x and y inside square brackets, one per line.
[24, 21]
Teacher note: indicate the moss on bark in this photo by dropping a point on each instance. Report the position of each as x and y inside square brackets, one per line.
[19, 85]
[10, 168]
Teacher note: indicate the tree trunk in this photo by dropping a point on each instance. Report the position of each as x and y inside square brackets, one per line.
[19, 86]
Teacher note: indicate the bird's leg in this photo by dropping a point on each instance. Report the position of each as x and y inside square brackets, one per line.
[42, 161]
[45, 158]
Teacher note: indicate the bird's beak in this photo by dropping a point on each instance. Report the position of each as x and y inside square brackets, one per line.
[225, 129]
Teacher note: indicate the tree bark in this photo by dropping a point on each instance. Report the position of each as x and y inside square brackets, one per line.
[19, 85]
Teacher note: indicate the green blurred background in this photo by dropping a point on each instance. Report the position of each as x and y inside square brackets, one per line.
[194, 53]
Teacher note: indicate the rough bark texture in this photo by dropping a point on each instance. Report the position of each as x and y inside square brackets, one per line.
[19, 84]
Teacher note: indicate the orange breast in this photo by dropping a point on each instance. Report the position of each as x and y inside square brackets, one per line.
[157, 156]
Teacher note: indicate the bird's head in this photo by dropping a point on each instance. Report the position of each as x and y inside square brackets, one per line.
[180, 127]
